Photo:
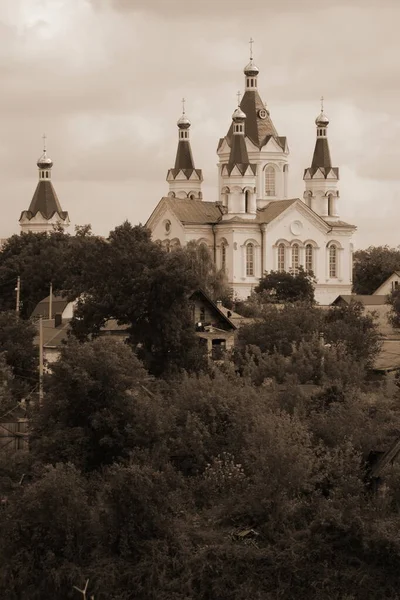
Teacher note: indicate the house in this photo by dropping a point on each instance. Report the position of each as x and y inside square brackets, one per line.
[391, 284]
[212, 324]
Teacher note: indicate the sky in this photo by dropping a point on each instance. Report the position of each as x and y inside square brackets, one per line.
[104, 80]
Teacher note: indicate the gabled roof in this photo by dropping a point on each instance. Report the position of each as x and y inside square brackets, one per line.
[395, 273]
[366, 300]
[257, 130]
[274, 209]
[206, 298]
[59, 304]
[45, 201]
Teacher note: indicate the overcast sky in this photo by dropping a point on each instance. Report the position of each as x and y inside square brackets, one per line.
[104, 79]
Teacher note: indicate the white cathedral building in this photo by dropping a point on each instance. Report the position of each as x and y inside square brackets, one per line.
[253, 227]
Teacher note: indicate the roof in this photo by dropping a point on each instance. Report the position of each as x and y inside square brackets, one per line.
[45, 201]
[366, 300]
[53, 337]
[184, 158]
[258, 130]
[195, 211]
[238, 155]
[59, 304]
[214, 306]
[274, 209]
[322, 156]
[394, 274]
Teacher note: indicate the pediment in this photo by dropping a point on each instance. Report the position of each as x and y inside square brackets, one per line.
[272, 146]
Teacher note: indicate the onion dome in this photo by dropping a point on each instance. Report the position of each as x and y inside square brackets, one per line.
[238, 116]
[251, 70]
[183, 122]
[44, 161]
[322, 120]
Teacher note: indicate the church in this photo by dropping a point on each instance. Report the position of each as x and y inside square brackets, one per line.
[252, 227]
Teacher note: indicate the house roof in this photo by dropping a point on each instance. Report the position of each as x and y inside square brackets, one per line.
[45, 201]
[395, 273]
[214, 306]
[59, 304]
[366, 300]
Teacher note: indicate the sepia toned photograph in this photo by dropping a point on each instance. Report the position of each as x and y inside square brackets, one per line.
[199, 300]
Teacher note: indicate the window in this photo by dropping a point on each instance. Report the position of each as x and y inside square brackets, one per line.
[295, 259]
[223, 257]
[309, 258]
[246, 201]
[330, 205]
[333, 261]
[270, 181]
[250, 260]
[281, 257]
[202, 315]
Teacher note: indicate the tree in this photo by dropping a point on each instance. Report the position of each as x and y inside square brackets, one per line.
[146, 288]
[96, 409]
[373, 266]
[20, 353]
[279, 328]
[394, 315]
[282, 287]
[358, 333]
[213, 281]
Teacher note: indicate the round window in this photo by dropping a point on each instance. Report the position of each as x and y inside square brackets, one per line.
[262, 113]
[167, 226]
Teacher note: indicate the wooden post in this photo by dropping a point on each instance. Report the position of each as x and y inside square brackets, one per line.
[51, 302]
[40, 360]
[18, 295]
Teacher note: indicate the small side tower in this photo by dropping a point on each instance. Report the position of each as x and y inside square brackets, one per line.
[184, 179]
[44, 212]
[238, 175]
[321, 179]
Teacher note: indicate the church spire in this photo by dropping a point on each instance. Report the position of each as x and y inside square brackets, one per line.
[238, 156]
[44, 212]
[321, 179]
[184, 179]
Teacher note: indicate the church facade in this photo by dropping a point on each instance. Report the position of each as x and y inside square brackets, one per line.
[252, 227]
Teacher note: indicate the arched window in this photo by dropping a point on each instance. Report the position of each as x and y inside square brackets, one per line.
[223, 256]
[270, 181]
[281, 257]
[330, 205]
[246, 201]
[295, 259]
[332, 261]
[309, 258]
[250, 260]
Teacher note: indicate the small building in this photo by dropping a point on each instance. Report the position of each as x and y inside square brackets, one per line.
[212, 324]
[14, 430]
[390, 285]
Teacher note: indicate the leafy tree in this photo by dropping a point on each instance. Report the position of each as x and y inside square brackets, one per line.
[46, 538]
[394, 315]
[358, 333]
[20, 353]
[207, 276]
[282, 287]
[373, 266]
[147, 289]
[96, 406]
[280, 328]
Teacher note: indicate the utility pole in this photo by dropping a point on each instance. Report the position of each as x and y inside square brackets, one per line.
[40, 360]
[18, 295]
[51, 302]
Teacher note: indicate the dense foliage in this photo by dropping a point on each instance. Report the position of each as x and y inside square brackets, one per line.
[155, 475]
[282, 287]
[373, 266]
